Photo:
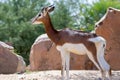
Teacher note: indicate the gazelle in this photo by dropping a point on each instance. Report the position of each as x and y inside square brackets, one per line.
[78, 42]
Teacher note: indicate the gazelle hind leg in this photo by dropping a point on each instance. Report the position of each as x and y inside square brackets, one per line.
[109, 74]
[92, 58]
[103, 74]
[103, 64]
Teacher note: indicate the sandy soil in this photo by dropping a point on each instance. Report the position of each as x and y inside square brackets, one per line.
[56, 75]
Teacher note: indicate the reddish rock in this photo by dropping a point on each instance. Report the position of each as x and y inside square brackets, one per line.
[9, 61]
[109, 28]
[44, 56]
[21, 67]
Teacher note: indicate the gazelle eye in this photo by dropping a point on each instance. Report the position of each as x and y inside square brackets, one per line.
[39, 15]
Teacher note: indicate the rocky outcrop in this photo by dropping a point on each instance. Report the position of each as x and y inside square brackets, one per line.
[109, 28]
[44, 56]
[9, 61]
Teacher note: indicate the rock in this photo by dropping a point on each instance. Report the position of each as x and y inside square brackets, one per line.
[21, 67]
[44, 56]
[6, 46]
[109, 27]
[9, 61]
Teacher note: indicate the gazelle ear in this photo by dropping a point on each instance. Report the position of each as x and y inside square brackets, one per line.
[50, 8]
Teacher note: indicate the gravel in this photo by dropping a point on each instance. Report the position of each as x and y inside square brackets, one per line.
[56, 75]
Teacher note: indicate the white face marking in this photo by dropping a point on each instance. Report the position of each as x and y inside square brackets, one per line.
[36, 22]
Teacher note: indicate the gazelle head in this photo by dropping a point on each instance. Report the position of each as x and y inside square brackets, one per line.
[42, 15]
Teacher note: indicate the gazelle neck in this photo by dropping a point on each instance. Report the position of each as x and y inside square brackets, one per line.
[51, 32]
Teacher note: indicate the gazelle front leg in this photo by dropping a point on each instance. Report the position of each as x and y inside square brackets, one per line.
[67, 62]
[65, 57]
[63, 66]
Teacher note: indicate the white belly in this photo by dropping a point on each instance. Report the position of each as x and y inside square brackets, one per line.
[79, 49]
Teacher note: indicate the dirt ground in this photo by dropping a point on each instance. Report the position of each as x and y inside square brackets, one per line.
[56, 75]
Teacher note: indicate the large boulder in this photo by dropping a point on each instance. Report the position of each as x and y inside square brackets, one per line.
[9, 61]
[44, 56]
[109, 27]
